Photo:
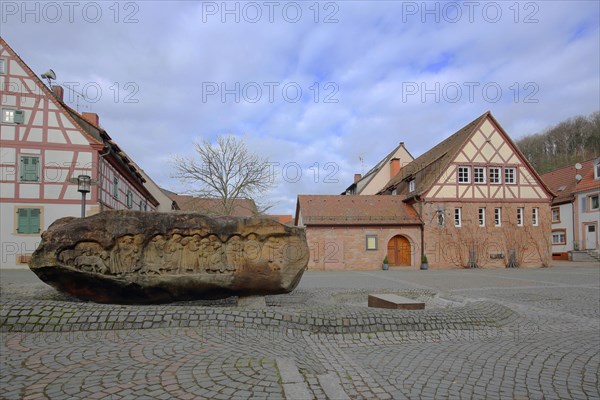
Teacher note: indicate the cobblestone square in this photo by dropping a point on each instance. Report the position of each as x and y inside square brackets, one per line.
[492, 333]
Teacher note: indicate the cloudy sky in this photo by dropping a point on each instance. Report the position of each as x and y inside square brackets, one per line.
[325, 89]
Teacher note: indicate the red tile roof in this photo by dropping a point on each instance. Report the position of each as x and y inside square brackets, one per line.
[282, 218]
[355, 210]
[563, 183]
[212, 206]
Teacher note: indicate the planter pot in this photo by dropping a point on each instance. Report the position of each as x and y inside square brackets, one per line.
[384, 267]
[424, 266]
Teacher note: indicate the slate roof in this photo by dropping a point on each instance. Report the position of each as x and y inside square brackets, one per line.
[213, 207]
[563, 183]
[355, 210]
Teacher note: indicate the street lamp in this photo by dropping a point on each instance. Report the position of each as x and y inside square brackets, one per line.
[83, 187]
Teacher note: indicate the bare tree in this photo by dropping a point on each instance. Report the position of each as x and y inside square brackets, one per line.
[225, 170]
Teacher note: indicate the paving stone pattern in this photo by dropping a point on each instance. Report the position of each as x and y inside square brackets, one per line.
[525, 341]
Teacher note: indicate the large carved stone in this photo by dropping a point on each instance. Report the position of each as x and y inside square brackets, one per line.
[137, 257]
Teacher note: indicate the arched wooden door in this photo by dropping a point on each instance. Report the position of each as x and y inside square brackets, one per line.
[399, 251]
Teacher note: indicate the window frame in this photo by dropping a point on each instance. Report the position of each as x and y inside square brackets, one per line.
[129, 199]
[458, 217]
[520, 216]
[597, 170]
[22, 175]
[115, 191]
[557, 209]
[376, 247]
[3, 66]
[497, 217]
[411, 186]
[513, 181]
[535, 216]
[592, 197]
[460, 175]
[483, 176]
[18, 220]
[7, 121]
[562, 232]
[481, 217]
[498, 171]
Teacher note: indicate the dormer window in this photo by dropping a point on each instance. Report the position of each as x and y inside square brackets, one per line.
[411, 185]
[597, 169]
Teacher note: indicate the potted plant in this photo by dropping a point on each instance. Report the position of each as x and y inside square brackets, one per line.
[424, 263]
[385, 264]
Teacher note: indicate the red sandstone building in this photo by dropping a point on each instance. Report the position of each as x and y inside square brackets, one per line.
[471, 201]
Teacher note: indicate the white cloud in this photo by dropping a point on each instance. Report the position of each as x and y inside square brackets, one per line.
[374, 53]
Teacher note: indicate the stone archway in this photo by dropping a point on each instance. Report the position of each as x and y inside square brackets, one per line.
[398, 251]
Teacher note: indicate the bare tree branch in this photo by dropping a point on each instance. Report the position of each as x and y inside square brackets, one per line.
[226, 170]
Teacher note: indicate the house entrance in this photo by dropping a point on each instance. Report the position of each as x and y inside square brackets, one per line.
[590, 237]
[398, 251]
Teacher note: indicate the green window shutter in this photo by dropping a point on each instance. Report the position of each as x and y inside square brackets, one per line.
[34, 220]
[22, 220]
[28, 220]
[29, 169]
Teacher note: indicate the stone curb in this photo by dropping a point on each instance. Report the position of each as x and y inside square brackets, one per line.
[45, 316]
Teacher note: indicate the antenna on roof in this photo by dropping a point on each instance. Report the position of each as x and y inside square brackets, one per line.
[49, 75]
[578, 177]
[577, 166]
[362, 164]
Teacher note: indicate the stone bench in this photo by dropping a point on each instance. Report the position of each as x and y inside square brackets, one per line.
[395, 302]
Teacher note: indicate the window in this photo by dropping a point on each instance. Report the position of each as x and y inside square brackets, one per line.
[559, 236]
[594, 202]
[482, 217]
[497, 217]
[479, 174]
[535, 213]
[394, 192]
[510, 175]
[129, 199]
[30, 169]
[457, 217]
[495, 175]
[520, 216]
[411, 185]
[555, 215]
[13, 116]
[371, 242]
[28, 221]
[464, 174]
[597, 170]
[3, 64]
[116, 188]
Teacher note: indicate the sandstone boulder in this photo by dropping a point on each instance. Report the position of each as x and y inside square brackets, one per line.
[132, 257]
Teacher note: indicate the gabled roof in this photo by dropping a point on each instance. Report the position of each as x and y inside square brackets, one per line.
[368, 177]
[436, 159]
[285, 219]
[94, 134]
[427, 168]
[49, 94]
[213, 207]
[562, 181]
[588, 182]
[327, 210]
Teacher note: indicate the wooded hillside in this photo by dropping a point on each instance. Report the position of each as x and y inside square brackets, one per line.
[570, 141]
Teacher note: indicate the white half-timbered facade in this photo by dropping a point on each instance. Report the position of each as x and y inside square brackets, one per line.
[44, 144]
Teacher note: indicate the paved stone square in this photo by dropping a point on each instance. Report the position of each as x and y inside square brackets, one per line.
[498, 334]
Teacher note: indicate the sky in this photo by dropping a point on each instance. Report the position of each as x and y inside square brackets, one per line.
[323, 89]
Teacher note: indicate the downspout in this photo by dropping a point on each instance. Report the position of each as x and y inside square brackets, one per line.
[100, 158]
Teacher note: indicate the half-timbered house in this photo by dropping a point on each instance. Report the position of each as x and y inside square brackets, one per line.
[45, 145]
[479, 200]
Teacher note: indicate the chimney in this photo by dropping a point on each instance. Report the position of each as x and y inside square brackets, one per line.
[394, 167]
[92, 118]
[58, 91]
[357, 177]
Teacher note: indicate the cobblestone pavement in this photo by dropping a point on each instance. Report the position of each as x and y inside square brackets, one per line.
[508, 334]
